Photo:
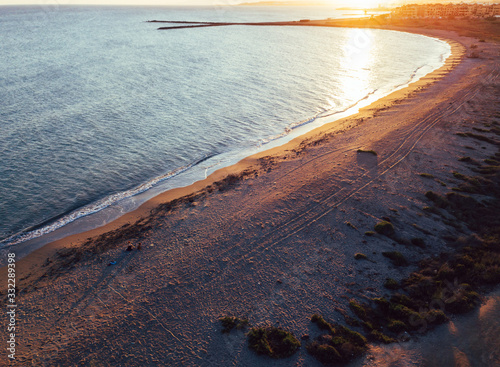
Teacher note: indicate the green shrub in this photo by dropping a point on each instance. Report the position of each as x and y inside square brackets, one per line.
[353, 336]
[445, 272]
[383, 304]
[402, 312]
[324, 353]
[438, 200]
[396, 257]
[404, 300]
[397, 326]
[378, 336]
[357, 309]
[459, 176]
[419, 242]
[322, 323]
[360, 256]
[391, 284]
[231, 322]
[273, 342]
[421, 286]
[436, 317]
[462, 302]
[341, 346]
[426, 175]
[384, 228]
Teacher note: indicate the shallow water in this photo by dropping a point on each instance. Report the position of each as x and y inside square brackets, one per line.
[97, 106]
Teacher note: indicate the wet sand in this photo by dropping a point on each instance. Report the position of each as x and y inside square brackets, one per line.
[272, 238]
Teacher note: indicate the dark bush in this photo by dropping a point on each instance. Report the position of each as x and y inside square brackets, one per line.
[384, 228]
[391, 284]
[396, 257]
[273, 342]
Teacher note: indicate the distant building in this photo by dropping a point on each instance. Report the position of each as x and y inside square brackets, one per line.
[447, 10]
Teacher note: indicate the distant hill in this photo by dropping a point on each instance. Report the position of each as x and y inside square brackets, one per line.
[287, 3]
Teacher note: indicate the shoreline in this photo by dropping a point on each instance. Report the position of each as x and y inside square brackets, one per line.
[26, 246]
[144, 210]
[272, 238]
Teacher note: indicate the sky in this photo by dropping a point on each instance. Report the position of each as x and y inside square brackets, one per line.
[179, 2]
[353, 3]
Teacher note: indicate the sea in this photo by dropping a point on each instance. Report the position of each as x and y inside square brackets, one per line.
[100, 110]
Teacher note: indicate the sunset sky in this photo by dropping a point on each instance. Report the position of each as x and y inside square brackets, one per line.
[357, 3]
[353, 3]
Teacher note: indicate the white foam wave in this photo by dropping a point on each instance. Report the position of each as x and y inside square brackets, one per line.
[94, 207]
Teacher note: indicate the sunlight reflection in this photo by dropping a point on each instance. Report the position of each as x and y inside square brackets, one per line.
[358, 56]
[359, 46]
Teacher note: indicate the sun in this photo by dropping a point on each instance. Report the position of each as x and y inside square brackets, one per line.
[365, 4]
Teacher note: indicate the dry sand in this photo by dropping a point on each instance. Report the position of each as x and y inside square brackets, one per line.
[274, 243]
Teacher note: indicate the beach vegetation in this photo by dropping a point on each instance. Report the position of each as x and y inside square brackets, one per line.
[396, 257]
[450, 280]
[322, 323]
[378, 336]
[403, 299]
[341, 345]
[391, 284]
[418, 241]
[462, 301]
[231, 322]
[459, 176]
[273, 342]
[360, 256]
[478, 137]
[385, 228]
[430, 209]
[358, 309]
[438, 200]
[478, 129]
[382, 303]
[417, 227]
[492, 162]
[426, 175]
[367, 325]
[445, 272]
[351, 336]
[397, 326]
[324, 352]
[436, 317]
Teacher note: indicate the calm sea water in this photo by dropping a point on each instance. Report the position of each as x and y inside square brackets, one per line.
[97, 106]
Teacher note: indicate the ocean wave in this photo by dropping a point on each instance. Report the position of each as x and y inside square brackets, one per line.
[96, 206]
[322, 114]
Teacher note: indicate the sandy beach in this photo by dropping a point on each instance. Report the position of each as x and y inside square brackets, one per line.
[271, 239]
